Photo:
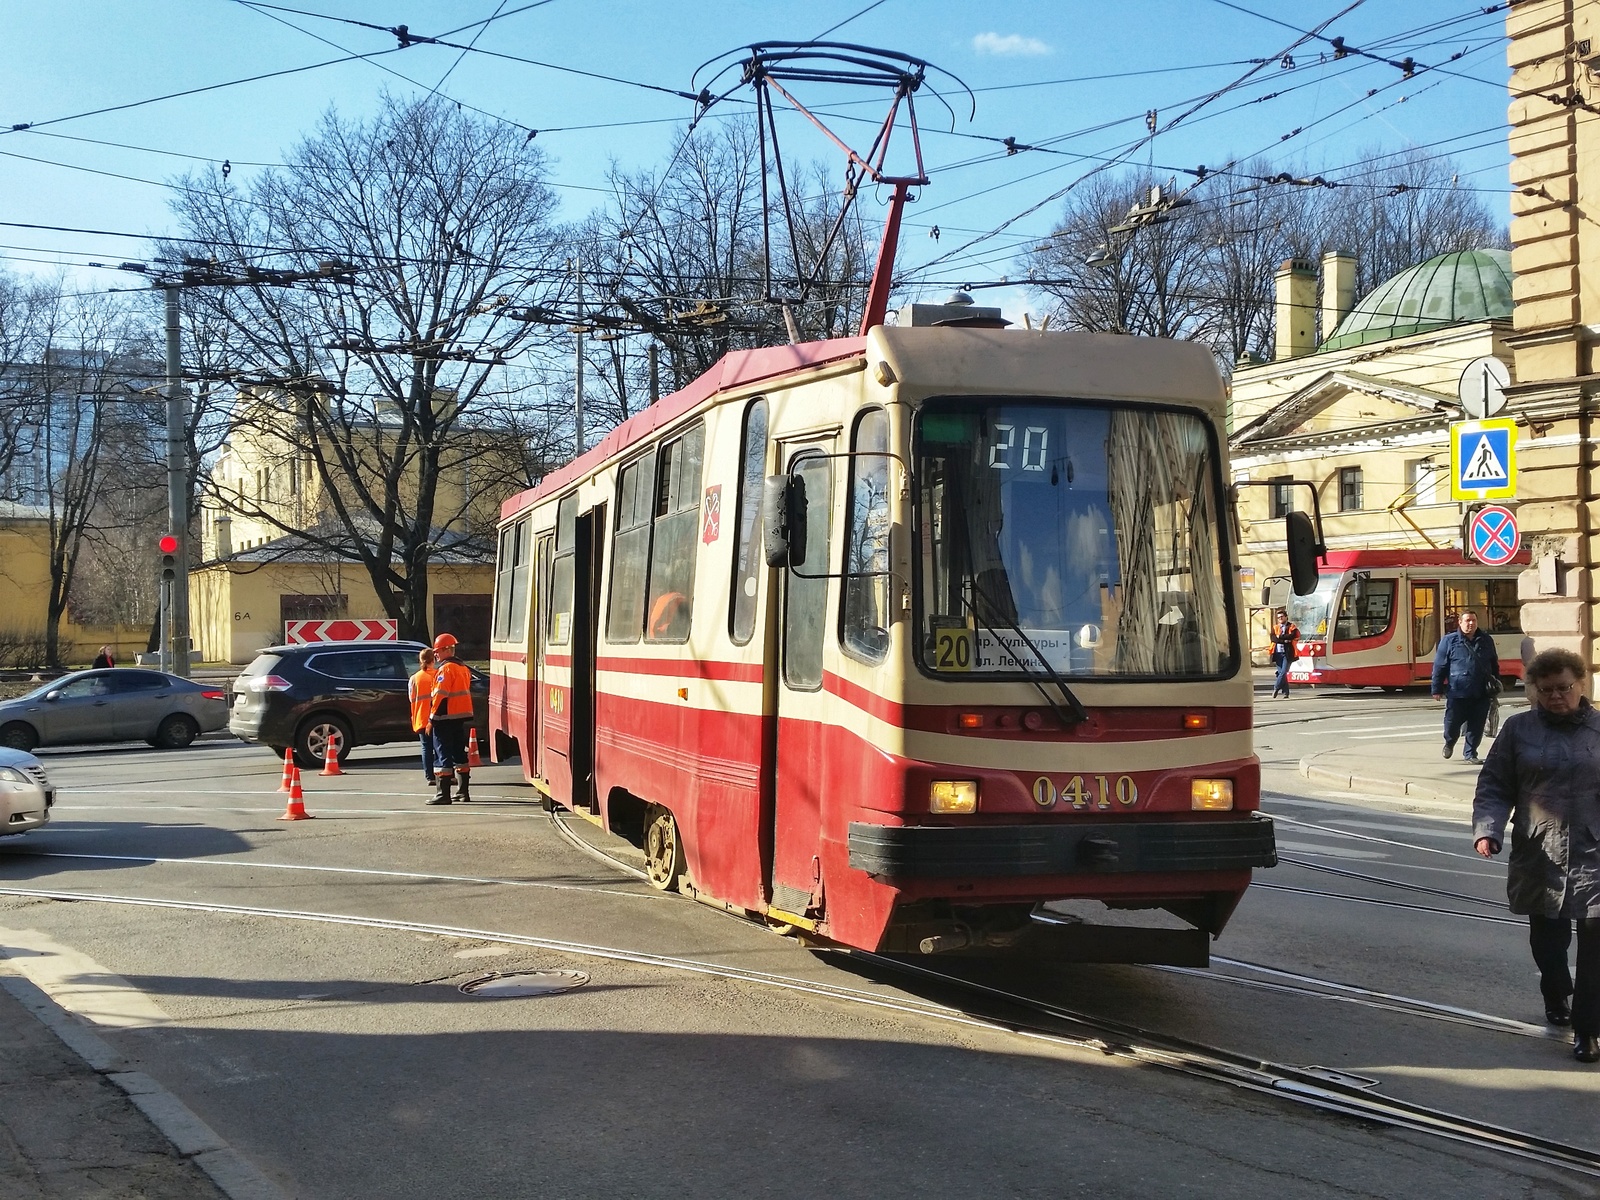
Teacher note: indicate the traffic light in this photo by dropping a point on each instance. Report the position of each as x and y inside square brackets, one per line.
[169, 557]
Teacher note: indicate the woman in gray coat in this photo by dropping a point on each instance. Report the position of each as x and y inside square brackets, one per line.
[1543, 775]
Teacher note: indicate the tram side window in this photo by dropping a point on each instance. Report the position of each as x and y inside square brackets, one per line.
[560, 631]
[677, 528]
[511, 588]
[747, 558]
[1494, 600]
[505, 563]
[1366, 610]
[630, 550]
[864, 627]
[805, 616]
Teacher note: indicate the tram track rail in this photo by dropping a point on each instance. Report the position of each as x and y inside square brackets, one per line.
[1319, 1088]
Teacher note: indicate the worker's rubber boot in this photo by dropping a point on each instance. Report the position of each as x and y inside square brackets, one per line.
[464, 792]
[443, 795]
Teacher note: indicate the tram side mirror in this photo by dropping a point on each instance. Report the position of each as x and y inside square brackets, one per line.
[783, 520]
[1301, 537]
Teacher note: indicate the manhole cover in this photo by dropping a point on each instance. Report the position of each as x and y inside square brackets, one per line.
[505, 985]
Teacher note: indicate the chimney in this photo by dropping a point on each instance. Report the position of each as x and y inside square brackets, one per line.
[224, 536]
[1338, 289]
[1295, 312]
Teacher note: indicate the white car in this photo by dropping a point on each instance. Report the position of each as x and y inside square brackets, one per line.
[25, 792]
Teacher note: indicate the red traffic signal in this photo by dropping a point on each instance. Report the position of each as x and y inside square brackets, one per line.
[168, 544]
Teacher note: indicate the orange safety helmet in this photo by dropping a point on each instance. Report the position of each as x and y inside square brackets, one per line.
[445, 641]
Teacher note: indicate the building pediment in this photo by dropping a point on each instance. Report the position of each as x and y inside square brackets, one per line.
[1338, 401]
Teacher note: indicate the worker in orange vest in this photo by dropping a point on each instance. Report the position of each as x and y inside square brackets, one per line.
[451, 713]
[420, 692]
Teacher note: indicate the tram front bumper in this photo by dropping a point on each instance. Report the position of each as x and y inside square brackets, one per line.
[1090, 848]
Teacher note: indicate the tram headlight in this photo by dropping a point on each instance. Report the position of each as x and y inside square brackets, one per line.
[1211, 794]
[953, 796]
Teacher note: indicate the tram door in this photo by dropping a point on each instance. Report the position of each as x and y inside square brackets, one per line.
[591, 538]
[802, 627]
[538, 702]
[1424, 628]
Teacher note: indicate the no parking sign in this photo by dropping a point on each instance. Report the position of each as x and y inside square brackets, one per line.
[1492, 536]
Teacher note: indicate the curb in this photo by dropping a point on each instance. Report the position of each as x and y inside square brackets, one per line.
[193, 1139]
[1353, 782]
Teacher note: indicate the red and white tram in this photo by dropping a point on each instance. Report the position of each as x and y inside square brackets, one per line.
[998, 659]
[1376, 616]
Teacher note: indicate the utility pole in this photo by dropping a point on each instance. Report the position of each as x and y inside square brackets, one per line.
[177, 488]
[196, 273]
[577, 268]
[655, 370]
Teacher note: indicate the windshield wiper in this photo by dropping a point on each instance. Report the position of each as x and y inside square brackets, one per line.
[1079, 713]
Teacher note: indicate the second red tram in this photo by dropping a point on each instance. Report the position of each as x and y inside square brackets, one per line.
[894, 639]
[1376, 616]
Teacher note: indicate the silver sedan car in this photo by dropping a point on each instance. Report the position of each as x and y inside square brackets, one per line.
[25, 793]
[117, 704]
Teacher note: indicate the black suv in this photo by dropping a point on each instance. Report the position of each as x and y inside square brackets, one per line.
[349, 693]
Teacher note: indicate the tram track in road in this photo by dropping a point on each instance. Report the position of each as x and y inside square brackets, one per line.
[1321, 1089]
[1038, 1022]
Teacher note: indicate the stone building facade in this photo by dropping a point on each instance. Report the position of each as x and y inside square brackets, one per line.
[1554, 55]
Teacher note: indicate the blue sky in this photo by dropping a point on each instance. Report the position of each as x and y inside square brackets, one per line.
[1078, 75]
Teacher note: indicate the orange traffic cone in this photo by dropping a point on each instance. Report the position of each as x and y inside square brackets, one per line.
[330, 759]
[296, 811]
[288, 770]
[474, 759]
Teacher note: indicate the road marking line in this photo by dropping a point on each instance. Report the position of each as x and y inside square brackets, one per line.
[1330, 851]
[273, 866]
[79, 984]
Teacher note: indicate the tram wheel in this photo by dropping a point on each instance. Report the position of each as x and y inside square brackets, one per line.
[663, 849]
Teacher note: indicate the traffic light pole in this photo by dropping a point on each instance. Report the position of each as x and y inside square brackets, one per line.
[177, 632]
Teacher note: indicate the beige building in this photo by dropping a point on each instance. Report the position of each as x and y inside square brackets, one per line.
[1554, 54]
[1364, 415]
[24, 592]
[265, 490]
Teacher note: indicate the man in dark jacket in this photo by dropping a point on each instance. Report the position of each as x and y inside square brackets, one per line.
[1540, 778]
[1466, 675]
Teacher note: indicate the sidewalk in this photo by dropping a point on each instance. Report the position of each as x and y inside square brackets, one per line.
[1404, 765]
[78, 1123]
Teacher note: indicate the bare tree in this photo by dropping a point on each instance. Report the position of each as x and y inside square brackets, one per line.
[93, 354]
[1393, 211]
[390, 373]
[1113, 280]
[680, 253]
[1204, 269]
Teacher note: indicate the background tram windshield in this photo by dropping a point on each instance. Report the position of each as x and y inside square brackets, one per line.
[1091, 528]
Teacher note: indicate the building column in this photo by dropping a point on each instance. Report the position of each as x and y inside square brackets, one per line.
[1553, 145]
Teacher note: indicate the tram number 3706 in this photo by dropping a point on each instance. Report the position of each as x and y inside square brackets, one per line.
[1087, 790]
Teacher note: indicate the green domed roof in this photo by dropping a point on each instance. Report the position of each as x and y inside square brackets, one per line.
[1450, 289]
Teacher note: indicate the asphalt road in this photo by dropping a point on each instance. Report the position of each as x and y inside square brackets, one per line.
[297, 986]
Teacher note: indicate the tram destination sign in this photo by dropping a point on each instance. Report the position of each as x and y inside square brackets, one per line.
[1492, 536]
[1483, 459]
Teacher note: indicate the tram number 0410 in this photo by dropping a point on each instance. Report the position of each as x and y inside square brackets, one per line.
[1084, 791]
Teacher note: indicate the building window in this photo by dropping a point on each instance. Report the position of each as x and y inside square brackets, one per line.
[1422, 480]
[1282, 495]
[1349, 489]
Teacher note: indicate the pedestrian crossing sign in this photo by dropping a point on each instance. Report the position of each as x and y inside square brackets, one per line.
[1483, 459]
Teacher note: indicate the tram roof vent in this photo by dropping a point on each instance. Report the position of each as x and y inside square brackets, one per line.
[958, 310]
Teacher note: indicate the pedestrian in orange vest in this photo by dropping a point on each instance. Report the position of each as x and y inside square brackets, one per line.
[420, 692]
[451, 712]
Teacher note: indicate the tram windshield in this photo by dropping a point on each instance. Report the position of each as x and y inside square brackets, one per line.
[1310, 613]
[1092, 529]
